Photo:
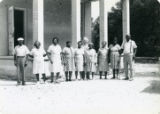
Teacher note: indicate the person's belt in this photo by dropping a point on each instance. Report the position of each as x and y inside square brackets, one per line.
[114, 51]
[20, 56]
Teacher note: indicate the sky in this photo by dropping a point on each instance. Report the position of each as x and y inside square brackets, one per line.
[95, 7]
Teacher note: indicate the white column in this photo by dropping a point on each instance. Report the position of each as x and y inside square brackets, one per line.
[38, 21]
[126, 18]
[103, 20]
[76, 22]
[88, 21]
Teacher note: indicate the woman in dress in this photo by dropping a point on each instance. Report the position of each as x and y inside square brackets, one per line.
[90, 61]
[103, 60]
[38, 54]
[68, 61]
[79, 60]
[54, 55]
[115, 57]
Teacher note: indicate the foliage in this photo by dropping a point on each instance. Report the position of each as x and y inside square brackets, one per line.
[145, 26]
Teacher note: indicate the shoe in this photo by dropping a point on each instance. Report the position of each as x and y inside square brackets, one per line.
[126, 78]
[131, 79]
[18, 83]
[23, 83]
[113, 78]
[38, 83]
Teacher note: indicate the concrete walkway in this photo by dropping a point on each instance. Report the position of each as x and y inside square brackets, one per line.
[141, 96]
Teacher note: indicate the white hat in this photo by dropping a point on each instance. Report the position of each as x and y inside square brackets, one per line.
[20, 38]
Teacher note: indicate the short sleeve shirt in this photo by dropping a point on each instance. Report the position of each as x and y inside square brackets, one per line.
[129, 46]
[21, 50]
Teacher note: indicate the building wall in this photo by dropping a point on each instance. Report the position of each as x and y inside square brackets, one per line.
[3, 31]
[57, 22]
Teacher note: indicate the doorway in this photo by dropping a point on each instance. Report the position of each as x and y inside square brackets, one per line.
[18, 25]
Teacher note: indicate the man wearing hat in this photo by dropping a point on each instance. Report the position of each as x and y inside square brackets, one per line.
[20, 60]
[129, 49]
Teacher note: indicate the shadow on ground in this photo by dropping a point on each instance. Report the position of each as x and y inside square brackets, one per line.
[147, 74]
[154, 87]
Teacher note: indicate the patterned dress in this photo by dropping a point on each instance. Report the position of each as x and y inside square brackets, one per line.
[55, 51]
[79, 55]
[114, 56]
[68, 59]
[91, 59]
[103, 60]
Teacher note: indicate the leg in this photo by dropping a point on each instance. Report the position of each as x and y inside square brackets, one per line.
[66, 75]
[100, 73]
[22, 62]
[126, 66]
[37, 77]
[113, 74]
[70, 75]
[81, 74]
[92, 75]
[18, 73]
[88, 74]
[117, 72]
[131, 67]
[76, 74]
[52, 77]
[57, 76]
[44, 77]
[105, 75]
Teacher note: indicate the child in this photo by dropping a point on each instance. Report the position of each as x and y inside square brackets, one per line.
[90, 61]
[38, 55]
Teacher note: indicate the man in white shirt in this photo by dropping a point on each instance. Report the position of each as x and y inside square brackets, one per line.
[20, 60]
[129, 49]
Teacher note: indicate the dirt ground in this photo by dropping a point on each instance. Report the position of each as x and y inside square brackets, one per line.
[140, 96]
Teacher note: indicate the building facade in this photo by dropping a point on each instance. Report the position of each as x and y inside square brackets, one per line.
[43, 19]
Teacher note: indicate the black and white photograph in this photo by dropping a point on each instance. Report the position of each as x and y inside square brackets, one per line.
[79, 56]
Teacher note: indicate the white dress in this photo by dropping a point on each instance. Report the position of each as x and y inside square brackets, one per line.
[55, 51]
[68, 59]
[79, 60]
[38, 60]
[91, 59]
[103, 60]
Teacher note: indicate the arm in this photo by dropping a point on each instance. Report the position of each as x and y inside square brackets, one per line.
[108, 55]
[15, 60]
[98, 57]
[49, 57]
[134, 53]
[95, 58]
[63, 58]
[26, 62]
[44, 55]
[30, 56]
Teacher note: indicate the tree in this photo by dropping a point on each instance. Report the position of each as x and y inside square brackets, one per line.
[145, 26]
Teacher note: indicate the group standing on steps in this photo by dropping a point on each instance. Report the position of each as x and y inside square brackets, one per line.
[83, 61]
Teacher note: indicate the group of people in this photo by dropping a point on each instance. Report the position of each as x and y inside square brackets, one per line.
[83, 60]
